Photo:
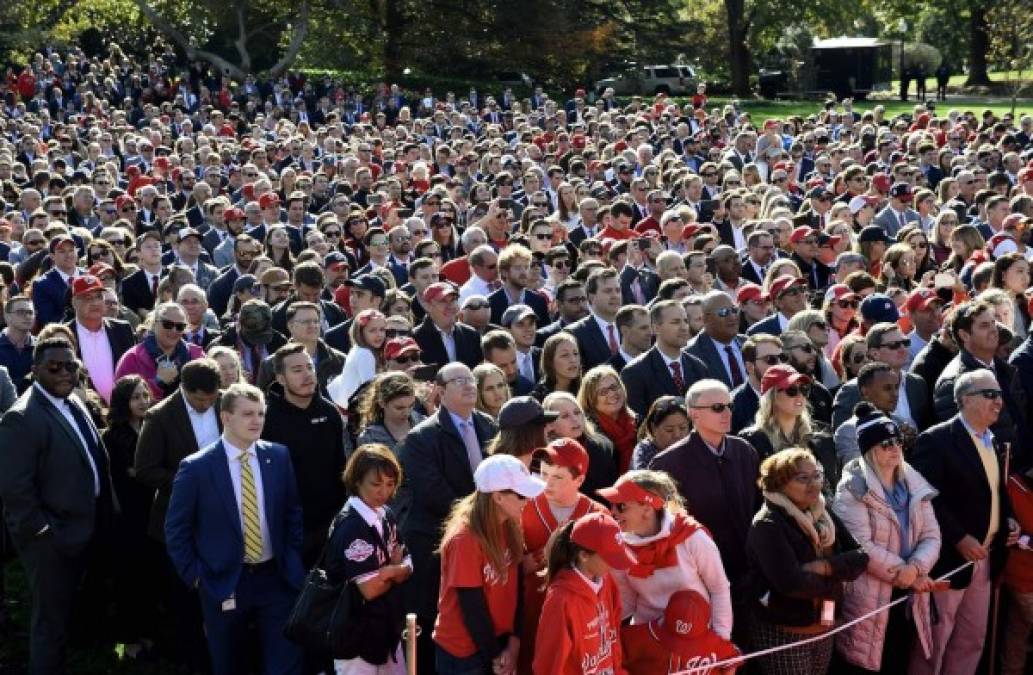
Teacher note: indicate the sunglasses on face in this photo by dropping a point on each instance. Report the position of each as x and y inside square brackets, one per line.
[560, 264]
[726, 312]
[477, 306]
[332, 233]
[848, 304]
[397, 332]
[714, 407]
[806, 349]
[988, 394]
[406, 360]
[772, 359]
[177, 326]
[797, 390]
[808, 478]
[55, 367]
[888, 444]
[792, 290]
[896, 344]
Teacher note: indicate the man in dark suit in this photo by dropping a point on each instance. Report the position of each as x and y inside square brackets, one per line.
[50, 291]
[975, 332]
[439, 457]
[515, 273]
[886, 343]
[100, 341]
[55, 482]
[245, 250]
[234, 532]
[665, 369]
[760, 251]
[718, 345]
[963, 461]
[176, 428]
[597, 336]
[500, 349]
[571, 305]
[140, 289]
[442, 338]
[639, 284]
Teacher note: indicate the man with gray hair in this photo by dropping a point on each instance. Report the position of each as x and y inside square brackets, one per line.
[484, 273]
[963, 460]
[716, 473]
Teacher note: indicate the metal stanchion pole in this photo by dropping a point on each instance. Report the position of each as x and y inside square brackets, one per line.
[412, 631]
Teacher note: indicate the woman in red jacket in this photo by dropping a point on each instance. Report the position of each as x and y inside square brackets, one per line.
[563, 466]
[582, 604]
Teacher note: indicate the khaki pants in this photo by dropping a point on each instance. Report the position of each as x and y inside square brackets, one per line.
[959, 636]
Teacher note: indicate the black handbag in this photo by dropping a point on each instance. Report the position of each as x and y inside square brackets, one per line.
[323, 609]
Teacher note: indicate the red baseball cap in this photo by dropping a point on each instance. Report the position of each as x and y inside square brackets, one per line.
[749, 292]
[685, 629]
[439, 290]
[921, 298]
[627, 490]
[840, 292]
[882, 182]
[600, 533]
[1025, 174]
[800, 233]
[395, 347]
[568, 453]
[268, 200]
[779, 285]
[233, 213]
[781, 376]
[578, 141]
[87, 283]
[59, 239]
[99, 269]
[123, 200]
[689, 230]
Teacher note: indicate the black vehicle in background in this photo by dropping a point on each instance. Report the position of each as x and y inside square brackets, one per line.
[850, 67]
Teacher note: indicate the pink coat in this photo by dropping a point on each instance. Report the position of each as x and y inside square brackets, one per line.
[137, 361]
[861, 505]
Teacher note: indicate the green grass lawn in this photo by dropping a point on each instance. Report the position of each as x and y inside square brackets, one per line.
[760, 109]
[14, 644]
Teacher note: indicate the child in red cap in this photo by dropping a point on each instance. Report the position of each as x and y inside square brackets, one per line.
[681, 640]
[582, 611]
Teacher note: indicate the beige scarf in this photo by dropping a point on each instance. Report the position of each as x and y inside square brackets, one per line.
[815, 521]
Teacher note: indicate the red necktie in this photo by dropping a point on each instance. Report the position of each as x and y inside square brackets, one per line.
[679, 383]
[733, 367]
[612, 340]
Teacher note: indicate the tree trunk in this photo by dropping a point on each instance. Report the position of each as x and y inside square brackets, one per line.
[394, 33]
[979, 44]
[738, 52]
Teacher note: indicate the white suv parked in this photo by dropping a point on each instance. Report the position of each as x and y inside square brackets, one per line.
[674, 80]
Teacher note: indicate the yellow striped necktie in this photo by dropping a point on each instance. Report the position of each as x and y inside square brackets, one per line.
[249, 507]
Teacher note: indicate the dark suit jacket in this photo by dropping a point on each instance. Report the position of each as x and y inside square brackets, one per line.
[467, 339]
[770, 325]
[649, 282]
[136, 291]
[704, 348]
[338, 338]
[120, 337]
[593, 345]
[49, 297]
[499, 302]
[849, 395]
[203, 532]
[165, 439]
[543, 334]
[221, 290]
[749, 273]
[946, 456]
[45, 476]
[647, 378]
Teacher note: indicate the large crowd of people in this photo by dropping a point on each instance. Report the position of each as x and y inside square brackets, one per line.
[588, 385]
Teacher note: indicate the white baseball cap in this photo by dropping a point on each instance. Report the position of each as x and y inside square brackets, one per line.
[506, 472]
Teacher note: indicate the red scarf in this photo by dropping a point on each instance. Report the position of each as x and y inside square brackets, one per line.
[663, 552]
[623, 433]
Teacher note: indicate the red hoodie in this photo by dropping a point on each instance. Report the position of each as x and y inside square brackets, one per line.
[582, 634]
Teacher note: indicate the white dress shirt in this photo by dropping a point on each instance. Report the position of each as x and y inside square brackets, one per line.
[205, 424]
[232, 458]
[475, 286]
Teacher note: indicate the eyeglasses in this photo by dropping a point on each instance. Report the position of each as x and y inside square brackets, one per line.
[541, 236]
[432, 202]
[477, 306]
[462, 380]
[725, 312]
[127, 209]
[444, 224]
[820, 325]
[560, 264]
[332, 233]
[397, 332]
[896, 344]
[806, 349]
[406, 360]
[55, 367]
[848, 304]
[858, 359]
[307, 322]
[808, 478]
[610, 390]
[988, 394]
[792, 290]
[27, 312]
[795, 390]
[772, 359]
[378, 242]
[58, 213]
[177, 326]
[36, 242]
[714, 407]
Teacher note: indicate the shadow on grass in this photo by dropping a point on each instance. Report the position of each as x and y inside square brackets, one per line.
[83, 659]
